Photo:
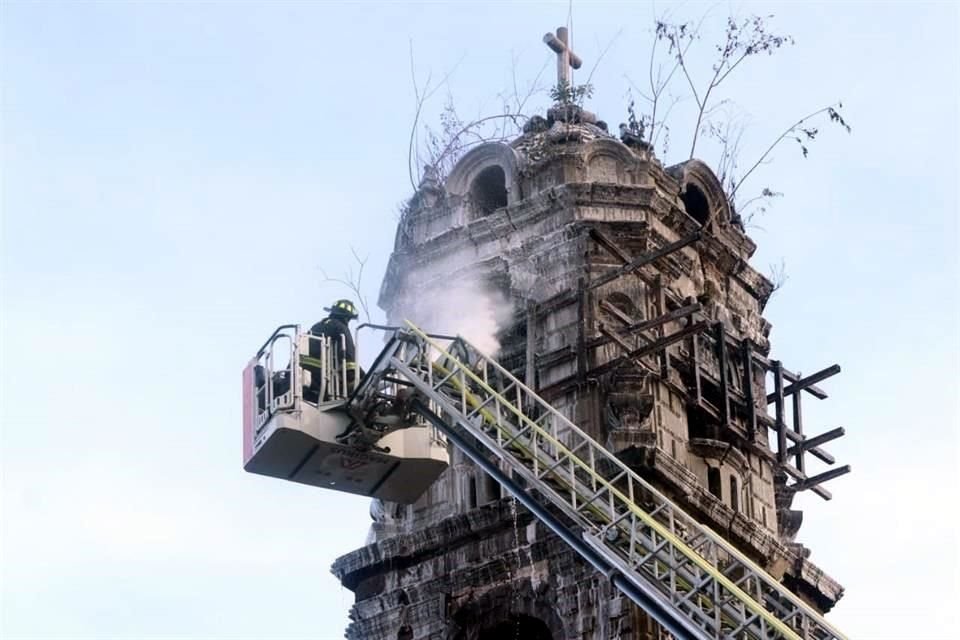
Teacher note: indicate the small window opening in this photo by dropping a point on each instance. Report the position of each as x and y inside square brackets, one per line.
[473, 493]
[492, 489]
[763, 515]
[734, 494]
[489, 191]
[696, 204]
[713, 482]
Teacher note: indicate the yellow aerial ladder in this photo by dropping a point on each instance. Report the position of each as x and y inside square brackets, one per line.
[688, 578]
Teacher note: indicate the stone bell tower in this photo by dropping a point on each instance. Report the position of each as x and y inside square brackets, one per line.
[628, 302]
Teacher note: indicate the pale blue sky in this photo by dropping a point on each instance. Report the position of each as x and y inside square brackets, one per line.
[175, 177]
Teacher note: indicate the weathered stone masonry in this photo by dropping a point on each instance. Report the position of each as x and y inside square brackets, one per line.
[548, 221]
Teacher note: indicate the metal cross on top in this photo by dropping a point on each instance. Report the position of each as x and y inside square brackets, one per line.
[566, 58]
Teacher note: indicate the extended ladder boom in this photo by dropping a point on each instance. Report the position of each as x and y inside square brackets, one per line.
[692, 580]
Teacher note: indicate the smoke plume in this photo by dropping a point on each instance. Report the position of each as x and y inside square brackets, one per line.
[465, 307]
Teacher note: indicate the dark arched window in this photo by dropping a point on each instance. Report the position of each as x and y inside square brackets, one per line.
[696, 204]
[489, 191]
[713, 482]
[734, 493]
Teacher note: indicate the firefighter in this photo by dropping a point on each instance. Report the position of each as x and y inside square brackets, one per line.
[336, 326]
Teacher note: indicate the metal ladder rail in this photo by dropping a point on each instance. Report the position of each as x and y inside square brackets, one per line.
[684, 580]
[783, 602]
[660, 609]
[780, 610]
[716, 620]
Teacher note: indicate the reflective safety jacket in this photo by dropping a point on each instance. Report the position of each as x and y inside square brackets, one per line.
[335, 328]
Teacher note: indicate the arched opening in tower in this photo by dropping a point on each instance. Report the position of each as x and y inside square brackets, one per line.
[517, 626]
[489, 191]
[696, 204]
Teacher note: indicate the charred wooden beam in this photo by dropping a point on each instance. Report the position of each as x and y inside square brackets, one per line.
[556, 356]
[815, 451]
[724, 382]
[612, 247]
[617, 313]
[670, 316]
[531, 372]
[613, 336]
[644, 325]
[799, 477]
[798, 429]
[820, 478]
[643, 260]
[661, 310]
[622, 256]
[747, 349]
[653, 347]
[581, 330]
[780, 426]
[558, 301]
[799, 384]
[808, 444]
[695, 356]
[789, 376]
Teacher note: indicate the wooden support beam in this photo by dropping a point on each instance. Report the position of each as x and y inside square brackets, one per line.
[789, 376]
[780, 425]
[799, 477]
[654, 347]
[670, 316]
[613, 336]
[799, 384]
[637, 327]
[531, 372]
[581, 329]
[747, 350]
[813, 481]
[695, 355]
[612, 247]
[563, 299]
[817, 452]
[643, 260]
[617, 313]
[724, 373]
[661, 310]
[549, 359]
[627, 348]
[621, 256]
[806, 444]
[798, 429]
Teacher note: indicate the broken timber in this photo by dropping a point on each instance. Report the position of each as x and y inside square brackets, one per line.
[639, 338]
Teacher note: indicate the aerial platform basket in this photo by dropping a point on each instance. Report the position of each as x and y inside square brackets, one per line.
[297, 426]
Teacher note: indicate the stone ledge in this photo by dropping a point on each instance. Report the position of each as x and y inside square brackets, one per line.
[406, 549]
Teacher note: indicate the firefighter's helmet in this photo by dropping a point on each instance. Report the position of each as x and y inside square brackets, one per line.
[342, 308]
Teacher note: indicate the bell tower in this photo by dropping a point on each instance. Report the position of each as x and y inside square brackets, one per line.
[621, 291]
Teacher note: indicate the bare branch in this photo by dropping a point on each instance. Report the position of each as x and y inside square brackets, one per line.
[786, 132]
[352, 281]
[603, 52]
[778, 275]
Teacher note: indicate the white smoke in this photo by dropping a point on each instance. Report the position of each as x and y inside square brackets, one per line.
[465, 307]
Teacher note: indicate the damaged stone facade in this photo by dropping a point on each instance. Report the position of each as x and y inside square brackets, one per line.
[544, 222]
